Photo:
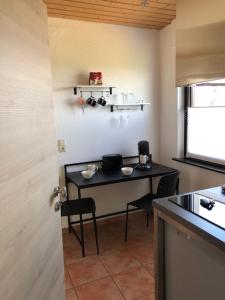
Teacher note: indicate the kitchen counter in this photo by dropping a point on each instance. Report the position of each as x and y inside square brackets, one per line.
[190, 246]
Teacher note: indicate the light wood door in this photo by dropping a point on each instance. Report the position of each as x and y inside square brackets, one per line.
[31, 260]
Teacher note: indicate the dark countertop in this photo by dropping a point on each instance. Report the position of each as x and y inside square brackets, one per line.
[197, 224]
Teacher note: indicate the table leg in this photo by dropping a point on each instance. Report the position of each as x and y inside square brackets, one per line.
[67, 199]
[151, 188]
[177, 187]
[82, 235]
[79, 194]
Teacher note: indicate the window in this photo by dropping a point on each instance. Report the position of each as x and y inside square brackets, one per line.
[205, 122]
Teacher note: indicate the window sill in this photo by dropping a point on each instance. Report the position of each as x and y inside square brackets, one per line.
[202, 164]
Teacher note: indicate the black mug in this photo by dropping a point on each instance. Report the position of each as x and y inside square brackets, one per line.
[102, 101]
[91, 101]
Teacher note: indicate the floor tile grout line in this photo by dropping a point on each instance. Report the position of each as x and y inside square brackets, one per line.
[130, 251]
[72, 288]
[138, 298]
[76, 293]
[114, 282]
[109, 274]
[80, 259]
[127, 270]
[66, 270]
[118, 287]
[80, 285]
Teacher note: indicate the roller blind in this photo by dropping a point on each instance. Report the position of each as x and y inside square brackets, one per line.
[206, 123]
[200, 41]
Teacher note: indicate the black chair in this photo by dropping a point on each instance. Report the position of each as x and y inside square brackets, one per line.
[168, 186]
[80, 207]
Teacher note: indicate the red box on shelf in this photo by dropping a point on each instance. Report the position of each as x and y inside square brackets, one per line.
[95, 78]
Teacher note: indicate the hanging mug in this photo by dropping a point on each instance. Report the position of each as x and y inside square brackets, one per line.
[91, 101]
[102, 101]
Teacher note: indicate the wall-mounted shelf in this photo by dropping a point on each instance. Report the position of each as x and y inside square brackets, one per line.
[131, 106]
[93, 89]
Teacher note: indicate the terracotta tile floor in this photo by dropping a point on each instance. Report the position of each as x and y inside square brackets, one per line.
[121, 271]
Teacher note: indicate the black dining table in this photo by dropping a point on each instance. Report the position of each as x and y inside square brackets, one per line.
[101, 178]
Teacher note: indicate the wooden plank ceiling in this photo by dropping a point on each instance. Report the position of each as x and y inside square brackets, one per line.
[156, 14]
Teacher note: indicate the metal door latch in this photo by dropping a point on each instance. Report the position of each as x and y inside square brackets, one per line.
[58, 205]
[59, 191]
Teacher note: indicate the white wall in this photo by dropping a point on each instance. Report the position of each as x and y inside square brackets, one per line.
[202, 12]
[129, 60]
[171, 131]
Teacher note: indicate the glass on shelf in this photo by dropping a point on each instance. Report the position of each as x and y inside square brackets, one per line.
[115, 99]
[131, 98]
[140, 102]
[124, 97]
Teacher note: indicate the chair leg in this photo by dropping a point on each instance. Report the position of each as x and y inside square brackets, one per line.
[147, 216]
[82, 235]
[126, 226]
[69, 228]
[177, 186]
[96, 232]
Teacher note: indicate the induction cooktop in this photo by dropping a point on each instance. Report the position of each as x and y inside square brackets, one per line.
[205, 207]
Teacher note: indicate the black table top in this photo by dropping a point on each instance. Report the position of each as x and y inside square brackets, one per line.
[110, 177]
[196, 219]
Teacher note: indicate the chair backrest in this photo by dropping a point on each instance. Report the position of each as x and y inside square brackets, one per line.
[168, 185]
